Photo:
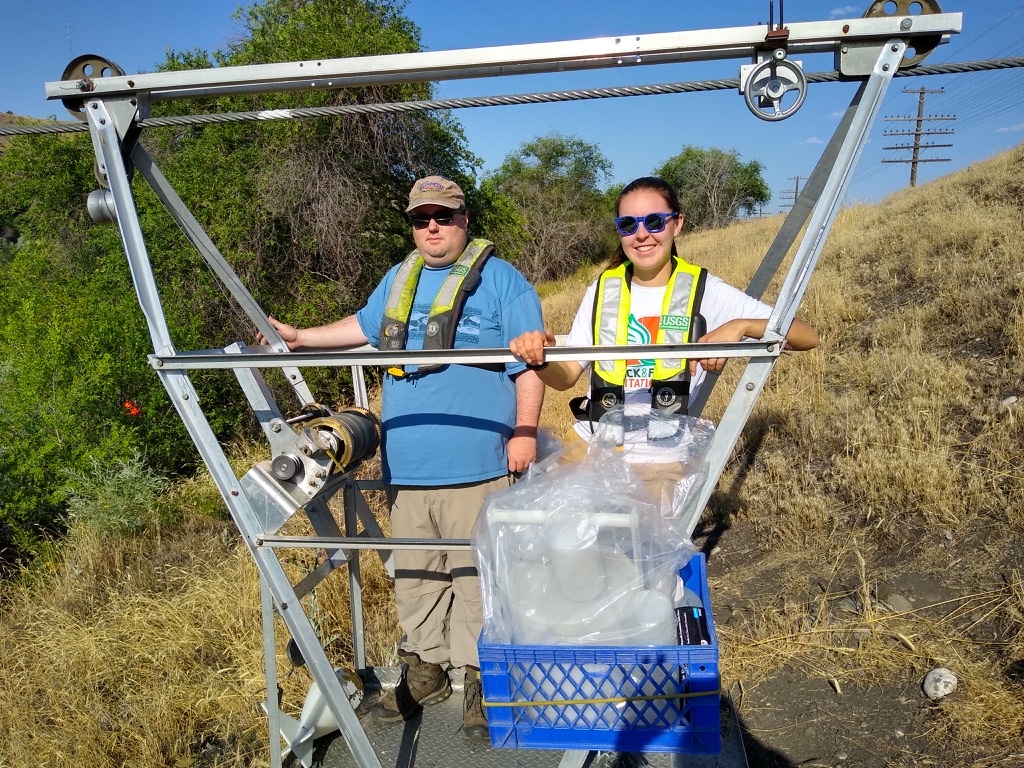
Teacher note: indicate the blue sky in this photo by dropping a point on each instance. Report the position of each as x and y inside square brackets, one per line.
[636, 134]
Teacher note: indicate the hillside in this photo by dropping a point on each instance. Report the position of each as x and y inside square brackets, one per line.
[868, 529]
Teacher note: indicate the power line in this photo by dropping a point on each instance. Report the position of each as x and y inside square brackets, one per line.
[976, 102]
[917, 133]
[789, 196]
[985, 99]
[1013, 46]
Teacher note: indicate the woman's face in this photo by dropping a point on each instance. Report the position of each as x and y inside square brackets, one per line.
[650, 252]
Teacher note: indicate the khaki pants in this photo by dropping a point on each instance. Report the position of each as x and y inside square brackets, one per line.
[438, 591]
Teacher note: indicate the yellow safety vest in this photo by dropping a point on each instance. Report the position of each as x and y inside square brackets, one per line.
[670, 388]
[444, 312]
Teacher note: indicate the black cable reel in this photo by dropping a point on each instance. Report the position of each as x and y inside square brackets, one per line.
[347, 437]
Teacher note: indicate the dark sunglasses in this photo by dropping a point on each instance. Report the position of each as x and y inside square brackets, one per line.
[653, 222]
[443, 218]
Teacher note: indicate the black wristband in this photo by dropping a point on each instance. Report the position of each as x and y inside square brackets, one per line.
[540, 367]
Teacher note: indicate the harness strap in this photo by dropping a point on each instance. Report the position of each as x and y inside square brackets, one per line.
[442, 323]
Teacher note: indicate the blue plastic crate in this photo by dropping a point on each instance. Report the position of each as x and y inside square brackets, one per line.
[628, 699]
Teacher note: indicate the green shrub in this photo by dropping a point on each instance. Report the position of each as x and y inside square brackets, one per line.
[112, 500]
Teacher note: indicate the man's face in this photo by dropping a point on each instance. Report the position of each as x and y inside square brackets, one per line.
[439, 244]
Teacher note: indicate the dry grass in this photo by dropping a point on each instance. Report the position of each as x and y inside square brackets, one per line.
[148, 651]
[893, 450]
[140, 669]
[890, 453]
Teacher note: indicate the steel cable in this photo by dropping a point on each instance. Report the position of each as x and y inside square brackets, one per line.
[493, 101]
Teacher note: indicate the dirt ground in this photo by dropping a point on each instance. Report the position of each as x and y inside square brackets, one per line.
[798, 717]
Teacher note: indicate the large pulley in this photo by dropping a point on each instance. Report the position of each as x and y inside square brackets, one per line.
[921, 46]
[85, 70]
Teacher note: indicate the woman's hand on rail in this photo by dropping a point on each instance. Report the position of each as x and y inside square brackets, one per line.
[801, 337]
[734, 330]
[530, 346]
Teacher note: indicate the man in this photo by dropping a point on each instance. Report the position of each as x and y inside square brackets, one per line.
[452, 434]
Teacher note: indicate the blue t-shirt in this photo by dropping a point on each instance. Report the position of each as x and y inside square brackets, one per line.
[451, 426]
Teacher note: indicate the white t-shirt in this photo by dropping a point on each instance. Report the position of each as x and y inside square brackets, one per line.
[721, 303]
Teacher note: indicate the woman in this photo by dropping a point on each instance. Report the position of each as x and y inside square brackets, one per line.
[646, 295]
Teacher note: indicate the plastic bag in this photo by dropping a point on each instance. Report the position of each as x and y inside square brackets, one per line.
[588, 552]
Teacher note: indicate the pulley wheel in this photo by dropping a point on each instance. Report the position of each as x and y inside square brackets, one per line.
[85, 69]
[771, 81]
[921, 46]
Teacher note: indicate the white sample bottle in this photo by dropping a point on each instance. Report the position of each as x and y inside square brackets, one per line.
[654, 617]
[576, 560]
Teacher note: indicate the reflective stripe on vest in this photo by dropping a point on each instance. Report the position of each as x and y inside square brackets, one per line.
[444, 312]
[611, 318]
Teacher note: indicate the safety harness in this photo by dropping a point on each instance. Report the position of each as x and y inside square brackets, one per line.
[680, 323]
[444, 312]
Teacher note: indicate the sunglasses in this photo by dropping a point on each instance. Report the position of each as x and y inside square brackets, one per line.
[443, 218]
[653, 222]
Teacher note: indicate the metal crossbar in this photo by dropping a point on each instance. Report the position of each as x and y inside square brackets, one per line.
[601, 53]
[115, 109]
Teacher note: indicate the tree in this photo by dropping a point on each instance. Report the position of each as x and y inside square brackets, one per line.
[73, 343]
[310, 215]
[714, 186]
[543, 206]
[323, 199]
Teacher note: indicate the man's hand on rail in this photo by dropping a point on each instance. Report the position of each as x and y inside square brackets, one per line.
[289, 334]
[343, 333]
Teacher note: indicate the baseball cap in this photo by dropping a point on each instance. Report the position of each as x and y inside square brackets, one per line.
[436, 190]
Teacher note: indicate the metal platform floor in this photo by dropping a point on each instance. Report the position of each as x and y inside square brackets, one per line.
[433, 739]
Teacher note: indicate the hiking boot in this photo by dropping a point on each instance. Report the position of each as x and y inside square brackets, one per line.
[422, 683]
[474, 721]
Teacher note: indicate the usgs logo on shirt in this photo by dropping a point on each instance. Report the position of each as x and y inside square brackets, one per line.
[675, 322]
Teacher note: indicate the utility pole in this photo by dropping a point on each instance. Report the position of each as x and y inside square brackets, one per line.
[917, 133]
[789, 196]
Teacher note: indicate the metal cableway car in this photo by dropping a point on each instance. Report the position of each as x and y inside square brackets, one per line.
[314, 456]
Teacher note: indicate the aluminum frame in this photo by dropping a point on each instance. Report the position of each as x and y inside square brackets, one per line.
[113, 108]
[568, 55]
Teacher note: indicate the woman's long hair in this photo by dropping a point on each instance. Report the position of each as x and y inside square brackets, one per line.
[645, 183]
